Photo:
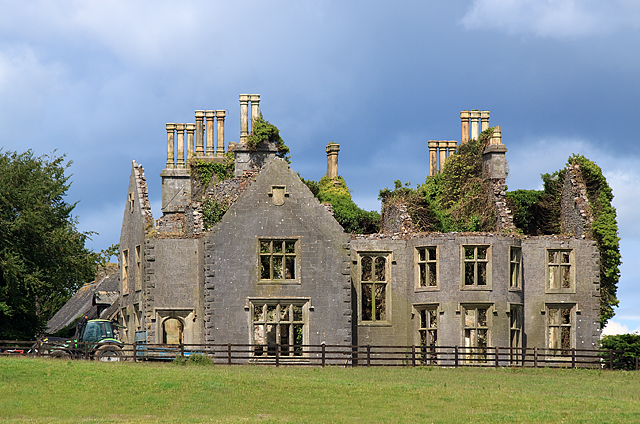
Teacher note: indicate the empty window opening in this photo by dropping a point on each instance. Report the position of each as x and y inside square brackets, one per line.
[516, 267]
[475, 265]
[428, 332]
[559, 265]
[277, 260]
[373, 286]
[427, 266]
[560, 330]
[476, 333]
[278, 325]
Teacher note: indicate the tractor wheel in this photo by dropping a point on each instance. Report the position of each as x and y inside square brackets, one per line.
[60, 354]
[109, 353]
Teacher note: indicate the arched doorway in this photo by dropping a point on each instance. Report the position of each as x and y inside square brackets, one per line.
[172, 331]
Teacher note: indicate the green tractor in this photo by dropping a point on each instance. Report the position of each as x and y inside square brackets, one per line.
[94, 338]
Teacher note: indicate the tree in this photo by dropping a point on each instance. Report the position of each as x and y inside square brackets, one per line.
[43, 258]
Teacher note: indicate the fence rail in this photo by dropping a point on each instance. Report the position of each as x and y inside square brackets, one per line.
[342, 355]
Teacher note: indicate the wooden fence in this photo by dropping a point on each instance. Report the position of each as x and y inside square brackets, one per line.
[341, 355]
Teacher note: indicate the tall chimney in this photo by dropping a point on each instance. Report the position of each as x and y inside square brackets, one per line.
[220, 114]
[484, 120]
[171, 128]
[475, 118]
[244, 117]
[332, 160]
[190, 130]
[255, 108]
[199, 132]
[180, 158]
[210, 115]
[464, 117]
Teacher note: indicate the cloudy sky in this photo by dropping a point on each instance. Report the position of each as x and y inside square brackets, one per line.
[98, 80]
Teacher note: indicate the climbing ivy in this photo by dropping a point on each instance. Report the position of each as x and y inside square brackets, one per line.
[212, 213]
[455, 199]
[205, 170]
[345, 211]
[264, 131]
[604, 231]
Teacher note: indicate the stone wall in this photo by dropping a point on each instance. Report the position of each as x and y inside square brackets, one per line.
[575, 209]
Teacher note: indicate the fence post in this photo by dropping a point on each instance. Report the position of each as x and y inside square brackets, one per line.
[413, 355]
[611, 359]
[523, 350]
[535, 357]
[573, 357]
[455, 357]
[278, 355]
[229, 353]
[182, 349]
[497, 355]
[135, 352]
[86, 351]
[323, 354]
[39, 352]
[368, 355]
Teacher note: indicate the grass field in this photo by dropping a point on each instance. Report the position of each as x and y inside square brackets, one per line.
[55, 391]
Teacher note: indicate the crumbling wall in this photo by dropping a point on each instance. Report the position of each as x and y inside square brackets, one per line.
[395, 219]
[504, 217]
[575, 210]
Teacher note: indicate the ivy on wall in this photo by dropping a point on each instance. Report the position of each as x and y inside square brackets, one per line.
[456, 199]
[264, 131]
[345, 211]
[204, 170]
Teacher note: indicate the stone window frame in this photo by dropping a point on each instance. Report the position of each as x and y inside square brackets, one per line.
[473, 353]
[295, 254]
[554, 321]
[488, 270]
[388, 258]
[420, 264]
[130, 201]
[515, 268]
[516, 330]
[294, 350]
[424, 326]
[125, 271]
[138, 271]
[560, 265]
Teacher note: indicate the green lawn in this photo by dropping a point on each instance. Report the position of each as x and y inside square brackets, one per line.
[44, 390]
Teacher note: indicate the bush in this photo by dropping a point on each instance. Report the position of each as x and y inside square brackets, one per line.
[629, 343]
[195, 359]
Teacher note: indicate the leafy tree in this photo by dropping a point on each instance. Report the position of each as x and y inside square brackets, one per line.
[43, 258]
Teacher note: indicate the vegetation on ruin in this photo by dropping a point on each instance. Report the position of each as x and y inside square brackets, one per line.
[212, 212]
[205, 170]
[43, 258]
[456, 199]
[346, 212]
[264, 131]
[43, 391]
[537, 212]
[604, 230]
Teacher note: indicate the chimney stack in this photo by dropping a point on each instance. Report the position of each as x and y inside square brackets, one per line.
[332, 160]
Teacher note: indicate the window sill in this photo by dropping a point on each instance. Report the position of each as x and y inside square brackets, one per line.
[560, 291]
[480, 288]
[279, 282]
[515, 289]
[427, 289]
[374, 324]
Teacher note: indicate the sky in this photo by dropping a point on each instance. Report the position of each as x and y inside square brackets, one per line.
[97, 81]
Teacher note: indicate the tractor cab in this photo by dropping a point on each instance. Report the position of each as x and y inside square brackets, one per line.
[95, 331]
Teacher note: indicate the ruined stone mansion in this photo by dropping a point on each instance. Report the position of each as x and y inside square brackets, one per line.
[278, 269]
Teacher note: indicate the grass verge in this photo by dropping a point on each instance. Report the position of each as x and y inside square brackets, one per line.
[53, 391]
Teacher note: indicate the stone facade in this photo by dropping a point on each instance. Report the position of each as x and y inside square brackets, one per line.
[279, 269]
